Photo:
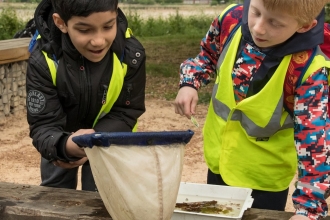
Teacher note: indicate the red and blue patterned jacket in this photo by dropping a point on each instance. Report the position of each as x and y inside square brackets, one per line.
[311, 130]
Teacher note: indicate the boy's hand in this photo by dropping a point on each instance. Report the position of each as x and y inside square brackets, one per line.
[71, 164]
[72, 149]
[186, 101]
[299, 217]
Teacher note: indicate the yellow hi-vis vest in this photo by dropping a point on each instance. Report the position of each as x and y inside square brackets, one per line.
[115, 86]
[251, 143]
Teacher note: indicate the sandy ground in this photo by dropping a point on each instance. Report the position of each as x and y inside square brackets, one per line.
[19, 161]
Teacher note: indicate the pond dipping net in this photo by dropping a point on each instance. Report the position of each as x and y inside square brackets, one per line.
[137, 174]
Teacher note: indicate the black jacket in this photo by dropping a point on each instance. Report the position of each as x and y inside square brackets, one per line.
[54, 112]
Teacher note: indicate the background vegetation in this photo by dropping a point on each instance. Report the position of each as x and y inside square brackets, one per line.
[168, 42]
[136, 1]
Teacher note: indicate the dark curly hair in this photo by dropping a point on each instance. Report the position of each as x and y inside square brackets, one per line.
[68, 8]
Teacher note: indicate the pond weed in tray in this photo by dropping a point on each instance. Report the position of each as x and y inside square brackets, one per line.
[211, 202]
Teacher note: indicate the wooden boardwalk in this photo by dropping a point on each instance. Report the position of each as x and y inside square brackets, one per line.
[27, 202]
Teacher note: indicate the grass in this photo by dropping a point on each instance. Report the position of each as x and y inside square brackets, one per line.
[164, 56]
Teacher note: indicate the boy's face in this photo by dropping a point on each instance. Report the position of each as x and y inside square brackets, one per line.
[270, 28]
[92, 36]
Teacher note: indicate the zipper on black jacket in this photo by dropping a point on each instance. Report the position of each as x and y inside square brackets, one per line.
[129, 88]
[85, 92]
[104, 96]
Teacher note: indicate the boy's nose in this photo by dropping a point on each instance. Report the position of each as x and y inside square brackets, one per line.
[97, 41]
[259, 27]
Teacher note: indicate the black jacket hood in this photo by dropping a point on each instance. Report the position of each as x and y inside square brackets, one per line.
[52, 39]
[298, 42]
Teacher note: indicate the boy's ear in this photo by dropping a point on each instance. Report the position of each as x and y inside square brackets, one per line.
[60, 23]
[307, 27]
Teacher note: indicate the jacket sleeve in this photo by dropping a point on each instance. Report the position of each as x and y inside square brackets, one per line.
[198, 71]
[44, 113]
[130, 104]
[312, 139]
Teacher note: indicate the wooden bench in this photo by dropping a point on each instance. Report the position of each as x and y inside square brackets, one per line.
[27, 202]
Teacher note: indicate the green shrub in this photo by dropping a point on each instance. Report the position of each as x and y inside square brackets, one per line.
[146, 2]
[174, 24]
[214, 2]
[327, 13]
[9, 23]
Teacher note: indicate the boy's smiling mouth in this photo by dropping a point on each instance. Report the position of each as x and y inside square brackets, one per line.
[258, 39]
[96, 51]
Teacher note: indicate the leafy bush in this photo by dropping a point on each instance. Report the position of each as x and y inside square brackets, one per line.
[174, 24]
[9, 23]
[327, 13]
[146, 2]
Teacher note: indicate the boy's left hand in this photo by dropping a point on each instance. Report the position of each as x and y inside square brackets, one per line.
[299, 217]
[71, 164]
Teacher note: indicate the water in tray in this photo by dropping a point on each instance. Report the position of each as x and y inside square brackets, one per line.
[226, 207]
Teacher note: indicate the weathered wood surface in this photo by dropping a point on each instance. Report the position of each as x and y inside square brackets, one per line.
[14, 50]
[261, 214]
[27, 202]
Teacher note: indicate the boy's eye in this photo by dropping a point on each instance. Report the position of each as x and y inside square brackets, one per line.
[83, 31]
[254, 12]
[275, 24]
[108, 27]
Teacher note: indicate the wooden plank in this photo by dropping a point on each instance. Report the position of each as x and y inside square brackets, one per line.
[14, 50]
[262, 214]
[27, 202]
[20, 202]
[14, 43]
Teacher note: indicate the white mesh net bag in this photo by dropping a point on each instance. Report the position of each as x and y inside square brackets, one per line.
[137, 174]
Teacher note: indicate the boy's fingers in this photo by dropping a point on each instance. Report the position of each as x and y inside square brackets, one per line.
[179, 107]
[187, 110]
[70, 164]
[193, 106]
[79, 162]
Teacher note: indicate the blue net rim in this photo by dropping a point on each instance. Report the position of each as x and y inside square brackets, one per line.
[105, 139]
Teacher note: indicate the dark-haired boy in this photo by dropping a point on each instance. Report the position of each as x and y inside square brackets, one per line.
[86, 73]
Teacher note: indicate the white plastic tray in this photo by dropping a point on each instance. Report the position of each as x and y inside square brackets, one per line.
[239, 199]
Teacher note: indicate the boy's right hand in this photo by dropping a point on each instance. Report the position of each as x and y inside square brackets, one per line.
[72, 149]
[186, 101]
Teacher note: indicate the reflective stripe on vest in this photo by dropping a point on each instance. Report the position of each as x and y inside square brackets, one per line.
[115, 85]
[251, 143]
